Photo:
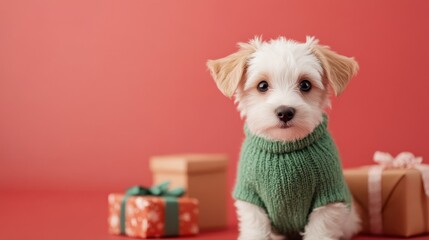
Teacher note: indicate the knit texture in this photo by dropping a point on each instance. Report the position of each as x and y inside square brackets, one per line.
[290, 179]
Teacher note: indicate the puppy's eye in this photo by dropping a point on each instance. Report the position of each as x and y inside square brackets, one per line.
[263, 86]
[305, 86]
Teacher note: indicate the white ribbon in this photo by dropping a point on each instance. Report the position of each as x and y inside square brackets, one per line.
[404, 160]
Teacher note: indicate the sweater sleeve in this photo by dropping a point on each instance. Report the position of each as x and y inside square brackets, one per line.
[247, 193]
[332, 186]
[245, 189]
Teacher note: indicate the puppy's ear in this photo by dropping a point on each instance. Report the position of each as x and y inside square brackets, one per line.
[338, 69]
[229, 71]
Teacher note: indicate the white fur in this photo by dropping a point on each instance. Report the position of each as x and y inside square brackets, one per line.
[254, 222]
[284, 64]
[331, 222]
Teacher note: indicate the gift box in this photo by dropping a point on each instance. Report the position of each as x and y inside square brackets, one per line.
[140, 215]
[203, 176]
[391, 200]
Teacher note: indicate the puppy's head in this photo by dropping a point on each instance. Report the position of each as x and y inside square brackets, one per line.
[281, 86]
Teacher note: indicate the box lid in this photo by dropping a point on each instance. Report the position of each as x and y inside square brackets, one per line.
[189, 163]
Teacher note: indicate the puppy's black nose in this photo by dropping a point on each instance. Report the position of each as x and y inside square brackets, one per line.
[285, 113]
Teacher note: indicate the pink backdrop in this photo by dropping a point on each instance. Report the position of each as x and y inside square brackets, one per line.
[89, 90]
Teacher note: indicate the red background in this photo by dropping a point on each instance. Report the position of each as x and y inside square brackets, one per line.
[89, 90]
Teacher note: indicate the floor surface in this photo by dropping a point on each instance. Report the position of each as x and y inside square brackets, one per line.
[74, 216]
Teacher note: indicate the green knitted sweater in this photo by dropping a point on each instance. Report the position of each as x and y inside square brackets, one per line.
[290, 179]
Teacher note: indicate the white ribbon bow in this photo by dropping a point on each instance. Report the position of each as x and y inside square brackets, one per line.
[404, 160]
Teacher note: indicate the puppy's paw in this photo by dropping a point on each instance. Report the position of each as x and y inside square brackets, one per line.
[253, 237]
[274, 236]
[310, 237]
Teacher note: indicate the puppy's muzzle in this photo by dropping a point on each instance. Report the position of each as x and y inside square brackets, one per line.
[285, 113]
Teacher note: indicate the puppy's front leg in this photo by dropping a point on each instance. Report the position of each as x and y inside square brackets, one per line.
[253, 222]
[332, 222]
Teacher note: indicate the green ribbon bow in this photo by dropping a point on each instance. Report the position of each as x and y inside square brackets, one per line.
[171, 205]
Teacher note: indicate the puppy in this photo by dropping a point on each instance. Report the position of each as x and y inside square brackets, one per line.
[290, 183]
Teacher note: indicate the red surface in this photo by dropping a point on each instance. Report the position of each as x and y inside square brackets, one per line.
[90, 89]
[75, 215]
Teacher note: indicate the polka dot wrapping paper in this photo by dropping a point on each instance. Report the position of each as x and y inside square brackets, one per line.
[145, 216]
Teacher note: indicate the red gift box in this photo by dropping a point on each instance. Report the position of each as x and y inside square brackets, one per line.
[152, 216]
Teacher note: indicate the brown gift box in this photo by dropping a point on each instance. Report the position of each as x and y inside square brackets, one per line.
[203, 176]
[404, 203]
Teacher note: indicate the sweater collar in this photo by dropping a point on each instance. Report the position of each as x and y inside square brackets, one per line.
[285, 147]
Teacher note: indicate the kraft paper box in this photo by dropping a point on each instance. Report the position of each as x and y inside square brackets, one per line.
[404, 203]
[146, 216]
[203, 176]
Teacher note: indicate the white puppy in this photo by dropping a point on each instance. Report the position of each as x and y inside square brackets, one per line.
[290, 183]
